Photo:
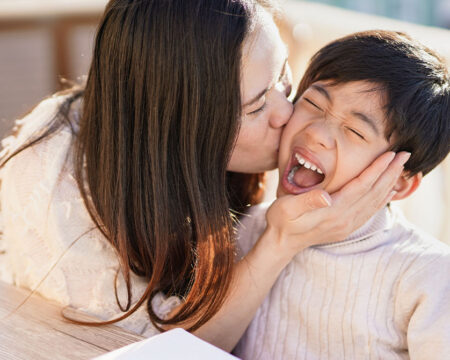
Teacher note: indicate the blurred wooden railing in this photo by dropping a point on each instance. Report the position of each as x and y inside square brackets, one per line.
[59, 18]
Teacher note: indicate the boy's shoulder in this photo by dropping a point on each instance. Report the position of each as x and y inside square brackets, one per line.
[410, 232]
[422, 283]
[423, 249]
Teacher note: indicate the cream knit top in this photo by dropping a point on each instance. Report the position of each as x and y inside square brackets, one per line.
[383, 293]
[48, 233]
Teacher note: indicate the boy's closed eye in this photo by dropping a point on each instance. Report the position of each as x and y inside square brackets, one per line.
[313, 104]
[355, 132]
[350, 129]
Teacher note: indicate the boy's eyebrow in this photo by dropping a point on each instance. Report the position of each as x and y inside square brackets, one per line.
[323, 91]
[367, 120]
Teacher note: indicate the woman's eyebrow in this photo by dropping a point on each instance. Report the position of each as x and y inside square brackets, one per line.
[257, 97]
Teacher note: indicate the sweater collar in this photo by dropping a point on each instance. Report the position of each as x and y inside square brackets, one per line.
[368, 236]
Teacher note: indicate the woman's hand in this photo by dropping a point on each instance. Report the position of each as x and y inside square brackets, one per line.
[299, 221]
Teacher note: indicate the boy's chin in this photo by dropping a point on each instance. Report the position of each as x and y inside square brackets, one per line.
[280, 192]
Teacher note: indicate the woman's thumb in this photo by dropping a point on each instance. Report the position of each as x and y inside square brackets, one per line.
[293, 206]
[311, 200]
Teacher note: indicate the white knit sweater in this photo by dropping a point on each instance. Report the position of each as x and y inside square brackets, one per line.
[48, 233]
[383, 293]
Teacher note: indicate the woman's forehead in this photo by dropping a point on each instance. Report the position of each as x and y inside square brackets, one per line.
[264, 54]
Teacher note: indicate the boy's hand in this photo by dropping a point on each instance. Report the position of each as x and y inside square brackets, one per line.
[315, 217]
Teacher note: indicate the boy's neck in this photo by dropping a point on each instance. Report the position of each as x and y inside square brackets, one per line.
[377, 224]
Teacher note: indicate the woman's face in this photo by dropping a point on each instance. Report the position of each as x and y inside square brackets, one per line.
[265, 85]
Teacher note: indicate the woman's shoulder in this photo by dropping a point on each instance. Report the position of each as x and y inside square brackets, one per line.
[48, 154]
[37, 118]
[41, 206]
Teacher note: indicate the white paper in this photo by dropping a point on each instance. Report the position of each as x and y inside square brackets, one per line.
[173, 344]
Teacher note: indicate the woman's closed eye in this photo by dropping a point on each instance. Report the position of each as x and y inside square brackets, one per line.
[262, 104]
[260, 109]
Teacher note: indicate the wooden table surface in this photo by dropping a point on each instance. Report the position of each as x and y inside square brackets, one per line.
[38, 331]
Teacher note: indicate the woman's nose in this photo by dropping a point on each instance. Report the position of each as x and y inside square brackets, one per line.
[282, 108]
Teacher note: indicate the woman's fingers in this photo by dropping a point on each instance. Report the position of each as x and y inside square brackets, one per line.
[362, 184]
[382, 190]
[383, 187]
[376, 181]
[360, 201]
[290, 207]
[298, 205]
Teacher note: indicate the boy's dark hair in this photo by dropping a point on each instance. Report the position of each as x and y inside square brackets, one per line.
[415, 83]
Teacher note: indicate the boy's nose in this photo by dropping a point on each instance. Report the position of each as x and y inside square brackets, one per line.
[320, 135]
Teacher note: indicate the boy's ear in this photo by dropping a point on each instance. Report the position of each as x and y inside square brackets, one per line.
[406, 185]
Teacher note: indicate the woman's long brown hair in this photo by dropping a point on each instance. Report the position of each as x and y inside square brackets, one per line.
[161, 111]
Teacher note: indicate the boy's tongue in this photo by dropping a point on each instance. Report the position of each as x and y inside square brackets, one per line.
[304, 177]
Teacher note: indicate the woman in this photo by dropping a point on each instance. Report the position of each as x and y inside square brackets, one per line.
[119, 194]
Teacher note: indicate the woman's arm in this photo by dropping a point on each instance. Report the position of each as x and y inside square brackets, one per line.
[295, 223]
[254, 275]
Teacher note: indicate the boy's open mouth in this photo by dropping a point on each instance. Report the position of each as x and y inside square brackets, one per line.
[302, 174]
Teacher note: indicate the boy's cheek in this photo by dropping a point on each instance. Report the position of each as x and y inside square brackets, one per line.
[347, 172]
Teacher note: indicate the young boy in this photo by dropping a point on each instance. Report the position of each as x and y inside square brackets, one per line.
[384, 292]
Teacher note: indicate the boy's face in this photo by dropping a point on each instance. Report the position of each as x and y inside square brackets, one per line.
[336, 131]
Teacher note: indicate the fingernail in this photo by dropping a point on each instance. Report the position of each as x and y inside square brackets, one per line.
[391, 156]
[405, 157]
[326, 198]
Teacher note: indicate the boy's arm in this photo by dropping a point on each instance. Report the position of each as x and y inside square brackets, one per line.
[426, 302]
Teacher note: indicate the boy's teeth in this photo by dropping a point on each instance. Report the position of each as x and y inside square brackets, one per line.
[300, 160]
[307, 164]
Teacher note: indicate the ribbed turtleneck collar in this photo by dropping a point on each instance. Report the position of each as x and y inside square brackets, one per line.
[367, 237]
